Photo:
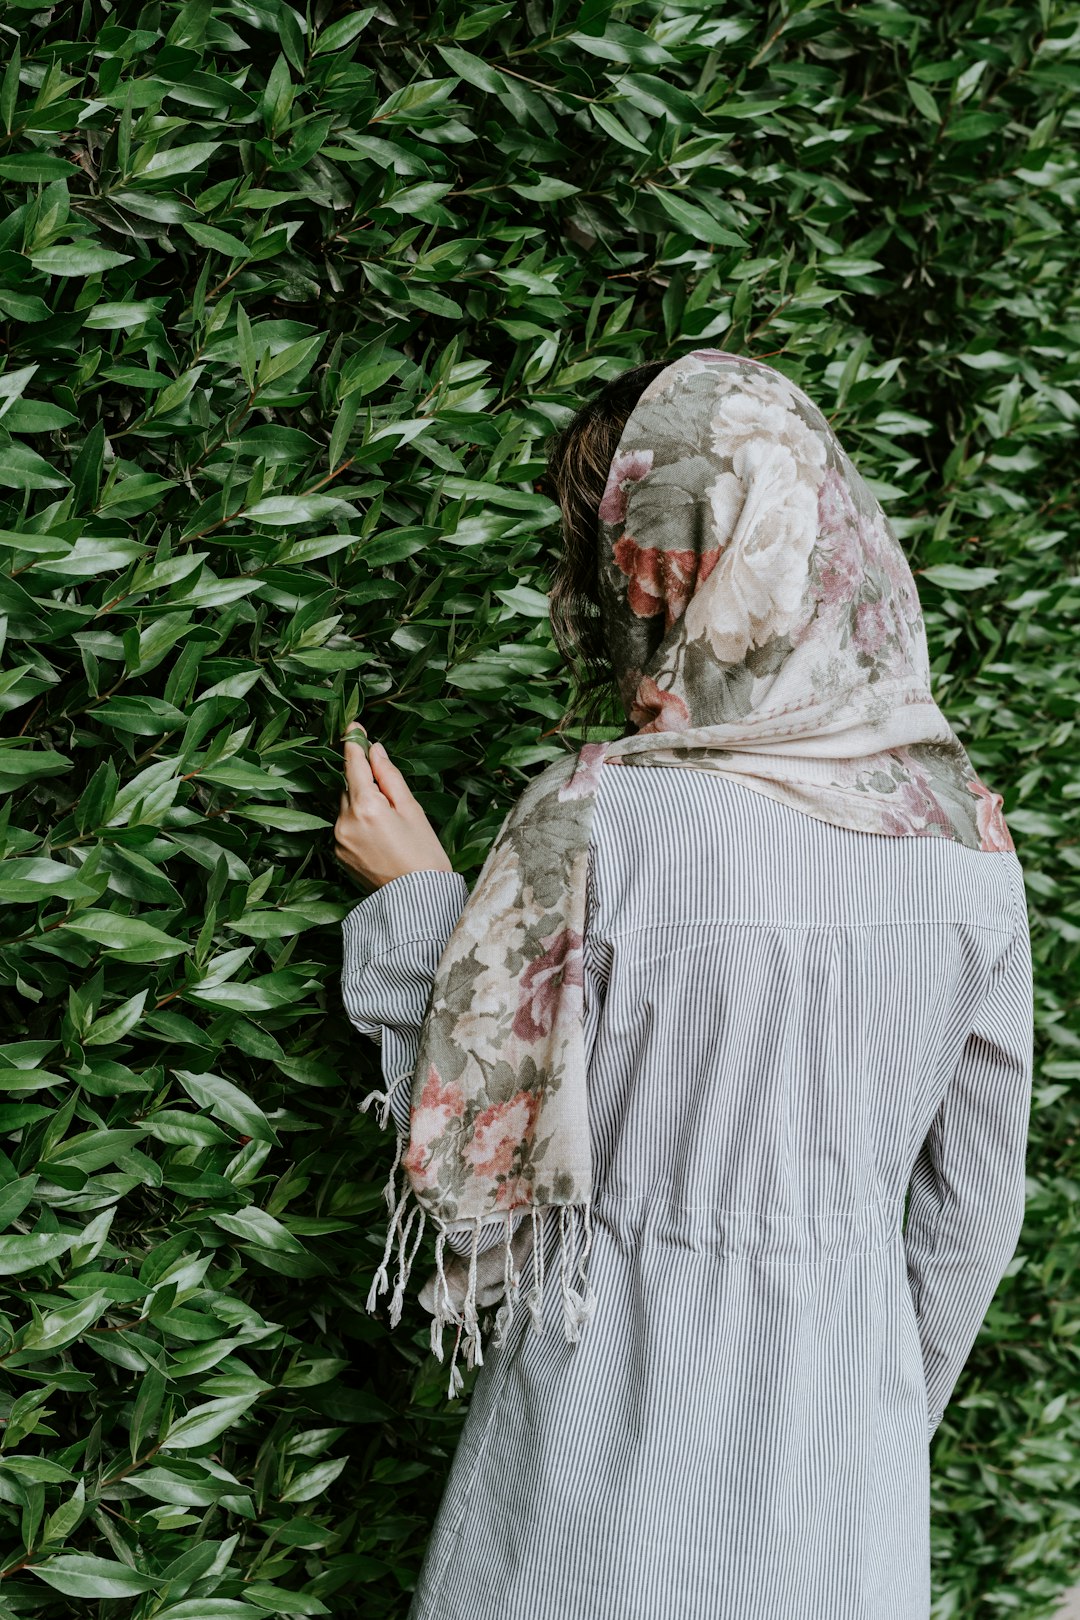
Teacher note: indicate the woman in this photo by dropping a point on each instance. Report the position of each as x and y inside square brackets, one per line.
[792, 959]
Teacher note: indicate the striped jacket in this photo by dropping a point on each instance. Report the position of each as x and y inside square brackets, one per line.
[810, 1064]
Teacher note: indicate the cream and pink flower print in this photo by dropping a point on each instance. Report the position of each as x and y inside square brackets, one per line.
[626, 470]
[660, 579]
[765, 510]
[543, 981]
[489, 1143]
[914, 807]
[839, 559]
[497, 1132]
[585, 779]
[655, 710]
[431, 1115]
[993, 832]
[504, 1020]
[725, 559]
[862, 582]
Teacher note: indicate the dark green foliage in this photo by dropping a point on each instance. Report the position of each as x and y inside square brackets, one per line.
[289, 300]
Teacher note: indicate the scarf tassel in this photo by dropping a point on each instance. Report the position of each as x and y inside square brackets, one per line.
[383, 1099]
[578, 1303]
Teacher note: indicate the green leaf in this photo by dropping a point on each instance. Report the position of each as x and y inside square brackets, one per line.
[9, 90]
[62, 1327]
[120, 933]
[276, 1598]
[30, 1251]
[989, 360]
[176, 160]
[123, 316]
[37, 879]
[14, 1198]
[83, 1575]
[23, 468]
[344, 31]
[76, 259]
[281, 511]
[281, 922]
[923, 100]
[603, 115]
[209, 236]
[227, 1102]
[115, 1025]
[205, 1423]
[211, 1609]
[23, 306]
[281, 817]
[38, 1470]
[954, 577]
[31, 166]
[36, 416]
[20, 764]
[256, 1226]
[314, 1481]
[294, 357]
[471, 68]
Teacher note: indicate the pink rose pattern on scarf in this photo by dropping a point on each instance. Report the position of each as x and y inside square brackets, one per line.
[662, 581]
[753, 594]
[543, 982]
[625, 470]
[497, 1133]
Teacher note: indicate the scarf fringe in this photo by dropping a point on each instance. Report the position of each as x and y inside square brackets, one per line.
[383, 1098]
[578, 1303]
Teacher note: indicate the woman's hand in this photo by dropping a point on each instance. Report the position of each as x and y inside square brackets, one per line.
[381, 831]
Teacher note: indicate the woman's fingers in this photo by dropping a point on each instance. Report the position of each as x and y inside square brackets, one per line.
[357, 770]
[381, 831]
[389, 778]
[368, 772]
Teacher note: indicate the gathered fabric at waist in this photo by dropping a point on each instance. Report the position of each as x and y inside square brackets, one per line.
[808, 1238]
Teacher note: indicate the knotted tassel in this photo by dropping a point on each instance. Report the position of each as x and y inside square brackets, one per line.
[587, 1287]
[381, 1281]
[505, 1314]
[383, 1098]
[574, 1308]
[444, 1306]
[474, 1353]
[457, 1383]
[405, 1265]
[390, 1190]
[466, 1323]
[535, 1299]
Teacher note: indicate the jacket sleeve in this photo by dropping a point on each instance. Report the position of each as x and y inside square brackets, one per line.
[392, 943]
[967, 1190]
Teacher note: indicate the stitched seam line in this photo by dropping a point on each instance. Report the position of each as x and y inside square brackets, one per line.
[758, 922]
[723, 1209]
[399, 944]
[767, 1260]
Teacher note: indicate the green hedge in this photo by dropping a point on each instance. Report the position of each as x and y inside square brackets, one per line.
[290, 299]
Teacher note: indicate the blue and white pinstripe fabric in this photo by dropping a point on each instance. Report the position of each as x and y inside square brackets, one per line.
[791, 1026]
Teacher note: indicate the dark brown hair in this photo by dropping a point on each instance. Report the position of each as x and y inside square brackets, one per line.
[579, 460]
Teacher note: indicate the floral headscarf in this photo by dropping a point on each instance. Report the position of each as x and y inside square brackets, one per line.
[762, 620]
